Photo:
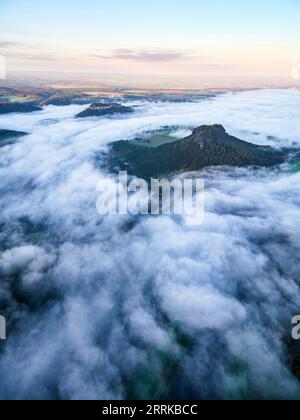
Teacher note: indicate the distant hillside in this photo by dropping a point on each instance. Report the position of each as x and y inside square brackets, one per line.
[206, 146]
[7, 108]
[101, 110]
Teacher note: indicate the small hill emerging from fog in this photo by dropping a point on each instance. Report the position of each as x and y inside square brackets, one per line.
[8, 108]
[101, 110]
[9, 136]
[206, 146]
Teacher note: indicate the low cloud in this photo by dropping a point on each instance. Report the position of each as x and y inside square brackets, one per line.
[27, 52]
[32, 57]
[5, 44]
[15, 46]
[143, 55]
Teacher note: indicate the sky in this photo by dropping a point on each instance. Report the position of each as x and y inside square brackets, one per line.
[159, 38]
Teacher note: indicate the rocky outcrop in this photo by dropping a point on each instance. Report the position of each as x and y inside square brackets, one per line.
[206, 146]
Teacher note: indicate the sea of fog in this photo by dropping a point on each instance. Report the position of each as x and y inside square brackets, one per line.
[115, 307]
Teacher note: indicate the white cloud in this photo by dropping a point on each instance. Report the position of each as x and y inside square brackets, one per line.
[96, 304]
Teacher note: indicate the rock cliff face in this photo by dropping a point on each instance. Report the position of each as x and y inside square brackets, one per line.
[206, 146]
[101, 110]
[205, 135]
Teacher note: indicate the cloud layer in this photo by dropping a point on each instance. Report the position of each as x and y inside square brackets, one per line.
[118, 307]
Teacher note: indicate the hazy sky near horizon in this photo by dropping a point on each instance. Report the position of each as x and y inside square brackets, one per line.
[164, 37]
